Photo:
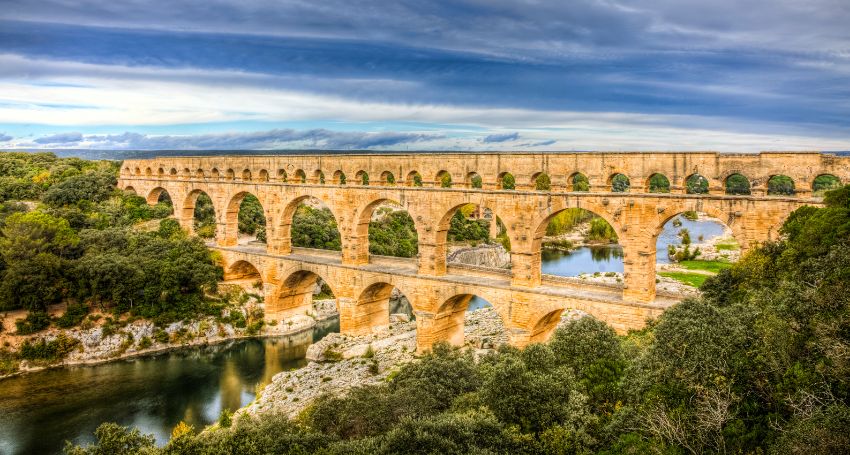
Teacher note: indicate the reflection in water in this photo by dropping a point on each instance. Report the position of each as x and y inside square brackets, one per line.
[39, 411]
[609, 258]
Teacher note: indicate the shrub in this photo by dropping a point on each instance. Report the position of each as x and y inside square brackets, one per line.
[50, 351]
[74, 315]
[145, 342]
[34, 322]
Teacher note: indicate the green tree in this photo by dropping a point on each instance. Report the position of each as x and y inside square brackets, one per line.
[542, 182]
[508, 181]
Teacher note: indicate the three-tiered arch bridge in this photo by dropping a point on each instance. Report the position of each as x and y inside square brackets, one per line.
[432, 186]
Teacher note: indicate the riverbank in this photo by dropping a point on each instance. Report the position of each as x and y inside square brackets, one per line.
[339, 363]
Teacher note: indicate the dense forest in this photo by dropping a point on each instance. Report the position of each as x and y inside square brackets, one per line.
[758, 364]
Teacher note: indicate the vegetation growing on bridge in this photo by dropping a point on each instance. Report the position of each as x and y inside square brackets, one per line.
[758, 364]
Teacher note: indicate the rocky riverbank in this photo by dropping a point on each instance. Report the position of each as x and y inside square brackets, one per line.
[340, 362]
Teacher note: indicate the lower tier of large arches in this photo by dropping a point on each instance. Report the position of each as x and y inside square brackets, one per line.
[439, 303]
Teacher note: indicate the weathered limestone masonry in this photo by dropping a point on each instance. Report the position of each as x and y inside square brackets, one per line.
[529, 303]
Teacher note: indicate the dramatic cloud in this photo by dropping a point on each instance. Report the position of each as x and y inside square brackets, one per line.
[5, 138]
[59, 139]
[262, 140]
[505, 137]
[582, 74]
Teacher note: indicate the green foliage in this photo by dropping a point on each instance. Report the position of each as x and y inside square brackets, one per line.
[566, 220]
[620, 183]
[658, 183]
[251, 218]
[417, 179]
[74, 315]
[543, 182]
[225, 419]
[508, 181]
[691, 279]
[708, 266]
[446, 180]
[35, 321]
[696, 184]
[580, 183]
[315, 228]
[601, 231]
[780, 185]
[463, 228]
[204, 216]
[84, 188]
[393, 234]
[113, 439]
[823, 183]
[476, 181]
[47, 351]
[737, 184]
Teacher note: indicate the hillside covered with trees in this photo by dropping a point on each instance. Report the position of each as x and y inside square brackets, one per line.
[758, 364]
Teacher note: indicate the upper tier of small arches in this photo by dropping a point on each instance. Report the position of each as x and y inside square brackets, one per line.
[734, 183]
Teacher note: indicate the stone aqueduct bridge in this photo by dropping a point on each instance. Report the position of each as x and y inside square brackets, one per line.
[528, 302]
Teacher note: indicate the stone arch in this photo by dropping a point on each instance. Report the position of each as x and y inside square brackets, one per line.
[148, 172]
[361, 177]
[282, 243]
[545, 326]
[474, 180]
[737, 184]
[619, 182]
[578, 182]
[318, 177]
[588, 214]
[155, 194]
[339, 177]
[246, 175]
[825, 182]
[263, 176]
[243, 270]
[657, 183]
[126, 170]
[172, 173]
[372, 308]
[300, 176]
[443, 179]
[450, 317]
[443, 225]
[231, 217]
[199, 174]
[387, 178]
[696, 184]
[229, 174]
[506, 181]
[360, 245]
[540, 181]
[137, 171]
[187, 173]
[414, 178]
[197, 220]
[160, 172]
[780, 185]
[281, 175]
[215, 174]
[727, 219]
[129, 188]
[295, 295]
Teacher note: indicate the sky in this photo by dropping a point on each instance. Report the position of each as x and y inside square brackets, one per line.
[533, 75]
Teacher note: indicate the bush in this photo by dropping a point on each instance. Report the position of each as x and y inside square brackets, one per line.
[34, 322]
[74, 315]
[49, 351]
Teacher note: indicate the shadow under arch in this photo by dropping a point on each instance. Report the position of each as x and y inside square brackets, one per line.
[242, 270]
[364, 219]
[295, 295]
[374, 307]
[450, 317]
[545, 326]
[130, 189]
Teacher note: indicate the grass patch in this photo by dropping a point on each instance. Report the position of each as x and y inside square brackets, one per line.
[691, 279]
[727, 246]
[708, 266]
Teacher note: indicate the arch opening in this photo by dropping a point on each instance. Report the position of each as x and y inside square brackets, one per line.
[459, 313]
[737, 184]
[780, 185]
[243, 272]
[362, 177]
[506, 181]
[300, 176]
[696, 184]
[443, 179]
[172, 173]
[579, 182]
[390, 229]
[318, 177]
[161, 204]
[658, 183]
[576, 242]
[307, 222]
[250, 220]
[246, 175]
[545, 327]
[186, 173]
[541, 182]
[414, 178]
[691, 246]
[339, 178]
[619, 183]
[823, 183]
[263, 176]
[387, 178]
[200, 205]
[381, 305]
[229, 174]
[475, 236]
[473, 180]
[281, 175]
[303, 294]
